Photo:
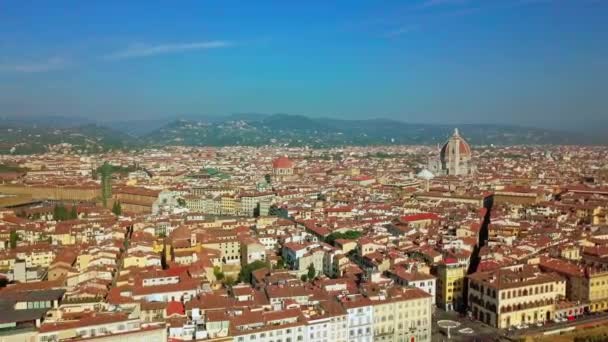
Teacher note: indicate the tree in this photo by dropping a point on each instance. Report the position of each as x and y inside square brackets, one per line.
[117, 208]
[229, 281]
[247, 270]
[181, 202]
[349, 235]
[312, 273]
[60, 213]
[278, 211]
[13, 238]
[268, 178]
[73, 213]
[217, 272]
[303, 278]
[280, 263]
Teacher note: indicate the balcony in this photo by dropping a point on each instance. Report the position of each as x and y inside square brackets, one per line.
[526, 306]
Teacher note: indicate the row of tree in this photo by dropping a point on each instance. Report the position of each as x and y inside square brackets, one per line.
[61, 213]
[348, 235]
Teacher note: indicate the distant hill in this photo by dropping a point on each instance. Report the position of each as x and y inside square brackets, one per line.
[29, 137]
[34, 135]
[296, 130]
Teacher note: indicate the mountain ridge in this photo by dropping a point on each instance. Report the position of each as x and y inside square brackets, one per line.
[34, 135]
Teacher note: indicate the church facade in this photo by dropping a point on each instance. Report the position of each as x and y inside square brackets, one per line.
[455, 158]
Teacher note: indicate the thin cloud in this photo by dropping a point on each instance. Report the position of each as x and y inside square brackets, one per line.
[50, 64]
[400, 31]
[137, 51]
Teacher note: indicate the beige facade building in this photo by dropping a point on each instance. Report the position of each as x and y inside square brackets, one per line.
[516, 295]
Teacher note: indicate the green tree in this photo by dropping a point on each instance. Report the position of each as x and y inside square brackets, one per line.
[60, 213]
[181, 202]
[303, 278]
[280, 212]
[349, 235]
[247, 270]
[312, 273]
[229, 281]
[73, 213]
[106, 171]
[268, 178]
[13, 238]
[117, 208]
[217, 272]
[280, 263]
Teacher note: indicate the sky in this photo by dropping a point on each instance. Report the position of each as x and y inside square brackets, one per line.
[527, 62]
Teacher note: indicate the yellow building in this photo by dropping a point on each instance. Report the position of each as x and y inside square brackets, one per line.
[34, 256]
[225, 241]
[515, 295]
[587, 285]
[600, 216]
[138, 260]
[571, 252]
[228, 204]
[88, 192]
[7, 262]
[84, 258]
[450, 285]
[402, 314]
[596, 285]
[63, 238]
[82, 261]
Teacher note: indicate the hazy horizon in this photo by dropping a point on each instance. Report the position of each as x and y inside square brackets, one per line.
[538, 63]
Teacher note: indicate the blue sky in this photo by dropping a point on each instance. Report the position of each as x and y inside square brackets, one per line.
[530, 62]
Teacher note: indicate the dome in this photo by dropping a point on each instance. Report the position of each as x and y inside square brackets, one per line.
[456, 140]
[425, 174]
[282, 163]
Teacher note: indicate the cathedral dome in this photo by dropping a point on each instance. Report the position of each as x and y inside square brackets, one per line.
[456, 141]
[282, 163]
